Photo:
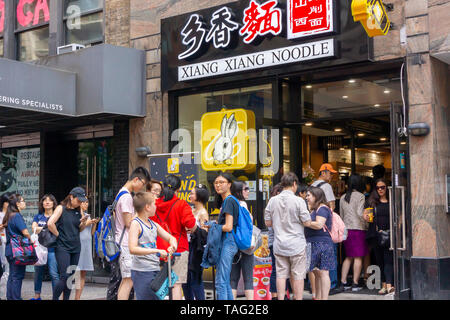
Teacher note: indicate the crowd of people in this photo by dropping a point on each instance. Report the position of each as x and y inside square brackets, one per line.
[152, 223]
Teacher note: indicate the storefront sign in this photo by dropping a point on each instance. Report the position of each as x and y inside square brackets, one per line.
[30, 11]
[298, 53]
[161, 166]
[36, 88]
[225, 139]
[264, 37]
[2, 16]
[372, 15]
[309, 17]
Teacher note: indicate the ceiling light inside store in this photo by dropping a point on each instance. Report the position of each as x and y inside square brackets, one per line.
[338, 130]
[342, 149]
[308, 86]
[1, 127]
[403, 142]
[344, 97]
[308, 124]
[361, 134]
[352, 81]
[376, 105]
[383, 139]
[387, 91]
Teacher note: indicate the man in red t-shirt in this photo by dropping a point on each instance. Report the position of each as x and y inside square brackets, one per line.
[176, 217]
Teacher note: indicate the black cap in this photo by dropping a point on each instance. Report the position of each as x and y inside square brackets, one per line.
[79, 193]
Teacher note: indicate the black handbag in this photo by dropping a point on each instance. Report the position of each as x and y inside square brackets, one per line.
[383, 236]
[46, 238]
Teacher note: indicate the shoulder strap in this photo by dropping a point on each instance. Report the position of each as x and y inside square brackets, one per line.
[321, 184]
[114, 212]
[167, 213]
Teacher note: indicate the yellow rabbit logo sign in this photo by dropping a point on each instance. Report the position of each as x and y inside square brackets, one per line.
[225, 139]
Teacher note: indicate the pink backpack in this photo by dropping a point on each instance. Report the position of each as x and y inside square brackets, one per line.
[338, 230]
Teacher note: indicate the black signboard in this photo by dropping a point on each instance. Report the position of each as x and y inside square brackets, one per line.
[251, 39]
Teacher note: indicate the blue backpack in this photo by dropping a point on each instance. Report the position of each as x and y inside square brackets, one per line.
[244, 228]
[105, 242]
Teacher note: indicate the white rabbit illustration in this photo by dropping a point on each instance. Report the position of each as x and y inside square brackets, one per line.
[223, 148]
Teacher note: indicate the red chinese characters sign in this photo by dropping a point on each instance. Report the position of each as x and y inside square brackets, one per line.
[309, 17]
[261, 19]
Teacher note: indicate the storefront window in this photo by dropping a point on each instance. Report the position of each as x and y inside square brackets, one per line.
[83, 21]
[349, 98]
[190, 110]
[81, 6]
[1, 47]
[19, 173]
[33, 44]
[89, 32]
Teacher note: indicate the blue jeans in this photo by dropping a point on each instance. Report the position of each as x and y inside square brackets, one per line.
[194, 289]
[333, 273]
[229, 249]
[141, 283]
[14, 284]
[52, 269]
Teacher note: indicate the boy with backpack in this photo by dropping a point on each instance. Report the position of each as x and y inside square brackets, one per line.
[123, 215]
[142, 245]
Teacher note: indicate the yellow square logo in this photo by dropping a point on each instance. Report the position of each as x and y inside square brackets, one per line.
[173, 165]
[225, 139]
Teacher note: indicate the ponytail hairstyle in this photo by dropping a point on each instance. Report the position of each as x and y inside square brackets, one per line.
[13, 200]
[202, 194]
[236, 190]
[170, 185]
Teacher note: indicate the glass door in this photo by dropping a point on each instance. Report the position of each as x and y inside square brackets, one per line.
[399, 196]
[95, 175]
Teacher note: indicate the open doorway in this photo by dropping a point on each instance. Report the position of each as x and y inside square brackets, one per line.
[350, 123]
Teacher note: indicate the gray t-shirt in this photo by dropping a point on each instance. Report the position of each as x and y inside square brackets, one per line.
[287, 213]
[326, 187]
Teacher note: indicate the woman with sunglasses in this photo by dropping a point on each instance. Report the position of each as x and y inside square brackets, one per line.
[379, 201]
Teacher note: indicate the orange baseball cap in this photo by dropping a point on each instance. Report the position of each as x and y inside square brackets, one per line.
[328, 167]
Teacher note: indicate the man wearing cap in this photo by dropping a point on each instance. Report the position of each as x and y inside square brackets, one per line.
[325, 175]
[326, 172]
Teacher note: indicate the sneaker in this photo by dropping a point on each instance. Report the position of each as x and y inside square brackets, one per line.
[334, 291]
[346, 286]
[356, 287]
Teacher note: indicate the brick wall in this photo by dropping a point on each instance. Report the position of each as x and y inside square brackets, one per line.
[120, 154]
[117, 22]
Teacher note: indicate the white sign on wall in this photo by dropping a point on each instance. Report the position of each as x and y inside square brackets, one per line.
[298, 53]
[27, 181]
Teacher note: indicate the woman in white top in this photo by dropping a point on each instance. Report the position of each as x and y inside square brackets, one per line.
[242, 261]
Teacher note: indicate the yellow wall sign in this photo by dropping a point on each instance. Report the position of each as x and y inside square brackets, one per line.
[225, 139]
[372, 15]
[173, 165]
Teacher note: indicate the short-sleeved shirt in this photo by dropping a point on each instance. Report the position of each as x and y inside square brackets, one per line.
[15, 226]
[125, 204]
[320, 235]
[68, 227]
[229, 206]
[327, 189]
[41, 221]
[287, 213]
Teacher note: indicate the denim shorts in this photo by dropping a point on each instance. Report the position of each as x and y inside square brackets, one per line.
[322, 256]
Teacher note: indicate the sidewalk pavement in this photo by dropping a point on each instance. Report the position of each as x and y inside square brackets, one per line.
[95, 291]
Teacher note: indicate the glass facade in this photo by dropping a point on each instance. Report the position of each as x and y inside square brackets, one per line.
[30, 14]
[89, 30]
[33, 44]
[81, 6]
[1, 47]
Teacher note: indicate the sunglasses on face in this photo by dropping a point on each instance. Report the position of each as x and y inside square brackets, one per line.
[381, 188]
